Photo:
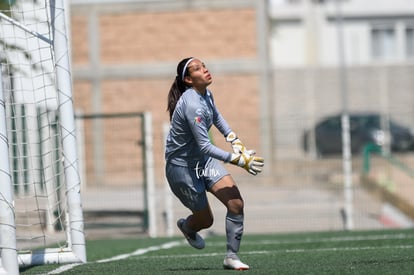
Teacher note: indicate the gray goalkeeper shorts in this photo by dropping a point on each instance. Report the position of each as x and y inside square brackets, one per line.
[190, 183]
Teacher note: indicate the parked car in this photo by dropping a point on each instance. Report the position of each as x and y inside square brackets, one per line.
[364, 128]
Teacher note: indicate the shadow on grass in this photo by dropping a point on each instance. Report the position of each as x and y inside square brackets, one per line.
[23, 269]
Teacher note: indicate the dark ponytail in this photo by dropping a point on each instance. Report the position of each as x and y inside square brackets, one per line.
[178, 87]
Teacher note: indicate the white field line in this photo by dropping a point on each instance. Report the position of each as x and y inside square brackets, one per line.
[142, 251]
[332, 239]
[63, 268]
[137, 252]
[310, 250]
[169, 245]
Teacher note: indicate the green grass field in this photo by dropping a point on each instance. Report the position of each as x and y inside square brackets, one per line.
[356, 252]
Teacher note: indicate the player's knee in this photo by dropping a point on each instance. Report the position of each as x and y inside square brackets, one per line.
[207, 222]
[235, 206]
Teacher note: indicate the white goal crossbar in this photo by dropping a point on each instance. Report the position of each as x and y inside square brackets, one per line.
[74, 250]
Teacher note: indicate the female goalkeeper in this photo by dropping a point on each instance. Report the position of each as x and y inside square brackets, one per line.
[193, 164]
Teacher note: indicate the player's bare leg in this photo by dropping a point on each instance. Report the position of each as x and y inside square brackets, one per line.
[228, 193]
[189, 227]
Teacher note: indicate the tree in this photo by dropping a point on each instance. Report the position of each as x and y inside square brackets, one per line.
[5, 8]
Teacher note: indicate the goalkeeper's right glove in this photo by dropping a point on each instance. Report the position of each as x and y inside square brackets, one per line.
[250, 163]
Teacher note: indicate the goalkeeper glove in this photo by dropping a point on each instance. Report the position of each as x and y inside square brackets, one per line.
[250, 163]
[237, 145]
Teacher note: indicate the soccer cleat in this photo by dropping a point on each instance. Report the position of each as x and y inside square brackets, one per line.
[234, 263]
[194, 239]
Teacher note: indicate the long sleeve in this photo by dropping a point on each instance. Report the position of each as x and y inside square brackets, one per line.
[188, 139]
[199, 127]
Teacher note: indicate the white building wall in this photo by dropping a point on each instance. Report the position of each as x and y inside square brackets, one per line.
[304, 33]
[287, 46]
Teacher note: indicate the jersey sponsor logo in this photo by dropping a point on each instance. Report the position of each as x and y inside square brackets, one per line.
[197, 119]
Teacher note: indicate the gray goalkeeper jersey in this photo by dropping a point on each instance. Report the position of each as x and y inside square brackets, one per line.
[188, 140]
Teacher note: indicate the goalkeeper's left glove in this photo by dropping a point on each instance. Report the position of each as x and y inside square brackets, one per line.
[250, 163]
[237, 145]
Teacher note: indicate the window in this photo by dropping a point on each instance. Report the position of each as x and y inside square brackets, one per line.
[409, 35]
[383, 43]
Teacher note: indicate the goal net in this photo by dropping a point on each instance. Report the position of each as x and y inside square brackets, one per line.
[41, 219]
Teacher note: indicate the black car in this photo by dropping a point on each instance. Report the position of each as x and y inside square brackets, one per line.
[364, 128]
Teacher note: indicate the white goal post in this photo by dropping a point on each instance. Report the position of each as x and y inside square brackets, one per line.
[41, 218]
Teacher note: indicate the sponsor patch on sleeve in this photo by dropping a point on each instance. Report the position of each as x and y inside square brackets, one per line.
[197, 119]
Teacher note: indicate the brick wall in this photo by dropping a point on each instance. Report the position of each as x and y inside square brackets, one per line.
[109, 38]
[153, 37]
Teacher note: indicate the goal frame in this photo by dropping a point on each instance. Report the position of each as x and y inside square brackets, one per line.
[75, 252]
